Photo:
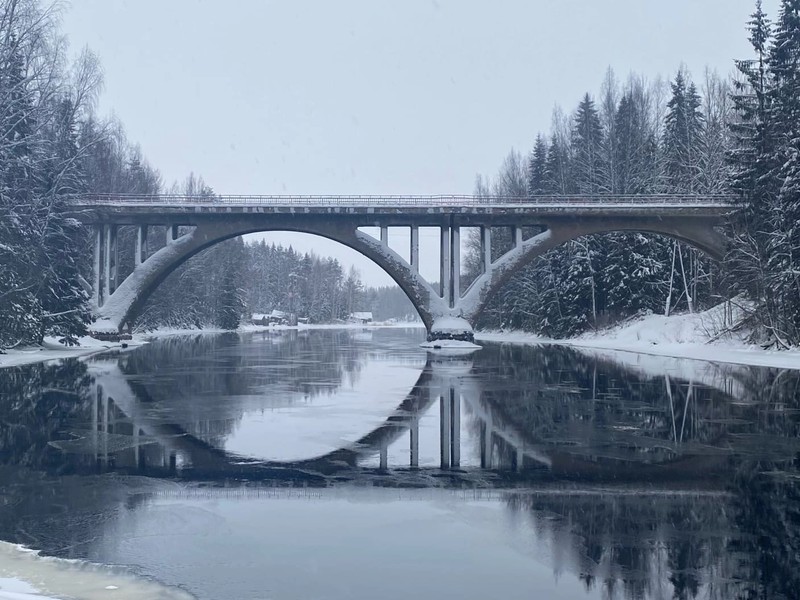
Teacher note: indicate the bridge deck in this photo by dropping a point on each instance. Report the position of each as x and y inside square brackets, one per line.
[401, 201]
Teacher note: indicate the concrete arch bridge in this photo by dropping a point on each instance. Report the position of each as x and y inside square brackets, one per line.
[194, 223]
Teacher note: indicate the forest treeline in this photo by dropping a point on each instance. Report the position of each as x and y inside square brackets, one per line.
[52, 145]
[738, 136]
[735, 135]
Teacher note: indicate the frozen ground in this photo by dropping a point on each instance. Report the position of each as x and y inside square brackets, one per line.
[52, 350]
[695, 336]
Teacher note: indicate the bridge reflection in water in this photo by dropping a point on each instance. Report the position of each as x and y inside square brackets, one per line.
[126, 431]
[578, 429]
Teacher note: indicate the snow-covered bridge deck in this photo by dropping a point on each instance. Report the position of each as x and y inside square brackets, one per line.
[452, 204]
[538, 224]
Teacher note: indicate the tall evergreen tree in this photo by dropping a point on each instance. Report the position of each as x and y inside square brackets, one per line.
[682, 137]
[537, 168]
[587, 142]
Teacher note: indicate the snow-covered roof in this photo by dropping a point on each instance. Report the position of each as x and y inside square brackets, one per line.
[277, 314]
[361, 315]
[258, 317]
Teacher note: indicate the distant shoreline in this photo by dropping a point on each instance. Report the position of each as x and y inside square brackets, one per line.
[88, 346]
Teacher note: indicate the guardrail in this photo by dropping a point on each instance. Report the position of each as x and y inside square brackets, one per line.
[402, 201]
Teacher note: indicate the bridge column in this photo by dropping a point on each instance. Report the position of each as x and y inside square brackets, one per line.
[486, 248]
[486, 444]
[96, 398]
[414, 442]
[105, 427]
[98, 265]
[385, 236]
[172, 233]
[415, 248]
[455, 426]
[384, 457]
[141, 245]
[455, 265]
[444, 431]
[444, 268]
[111, 258]
[517, 231]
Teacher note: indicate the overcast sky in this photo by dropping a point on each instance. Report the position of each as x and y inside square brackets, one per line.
[373, 96]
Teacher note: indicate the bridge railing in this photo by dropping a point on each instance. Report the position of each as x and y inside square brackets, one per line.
[402, 200]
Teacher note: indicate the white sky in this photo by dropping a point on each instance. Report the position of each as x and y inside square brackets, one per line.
[373, 96]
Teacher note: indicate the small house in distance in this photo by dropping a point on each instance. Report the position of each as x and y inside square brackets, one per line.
[361, 317]
[276, 317]
[259, 319]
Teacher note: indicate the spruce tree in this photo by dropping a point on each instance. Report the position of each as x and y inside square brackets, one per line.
[537, 168]
[682, 137]
[587, 141]
[784, 242]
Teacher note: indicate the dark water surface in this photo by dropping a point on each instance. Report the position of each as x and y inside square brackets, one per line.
[343, 464]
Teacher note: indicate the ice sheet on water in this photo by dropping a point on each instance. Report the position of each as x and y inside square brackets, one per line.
[25, 575]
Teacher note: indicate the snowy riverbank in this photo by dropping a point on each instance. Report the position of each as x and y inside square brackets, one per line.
[696, 336]
[693, 336]
[52, 350]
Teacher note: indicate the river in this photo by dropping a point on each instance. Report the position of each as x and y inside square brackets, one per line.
[353, 464]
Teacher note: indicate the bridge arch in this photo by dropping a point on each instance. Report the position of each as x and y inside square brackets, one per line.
[701, 236]
[126, 302]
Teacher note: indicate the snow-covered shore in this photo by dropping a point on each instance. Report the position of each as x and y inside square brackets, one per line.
[52, 350]
[690, 336]
[693, 336]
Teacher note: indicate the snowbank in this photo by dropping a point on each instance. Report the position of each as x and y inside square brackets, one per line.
[53, 350]
[696, 336]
